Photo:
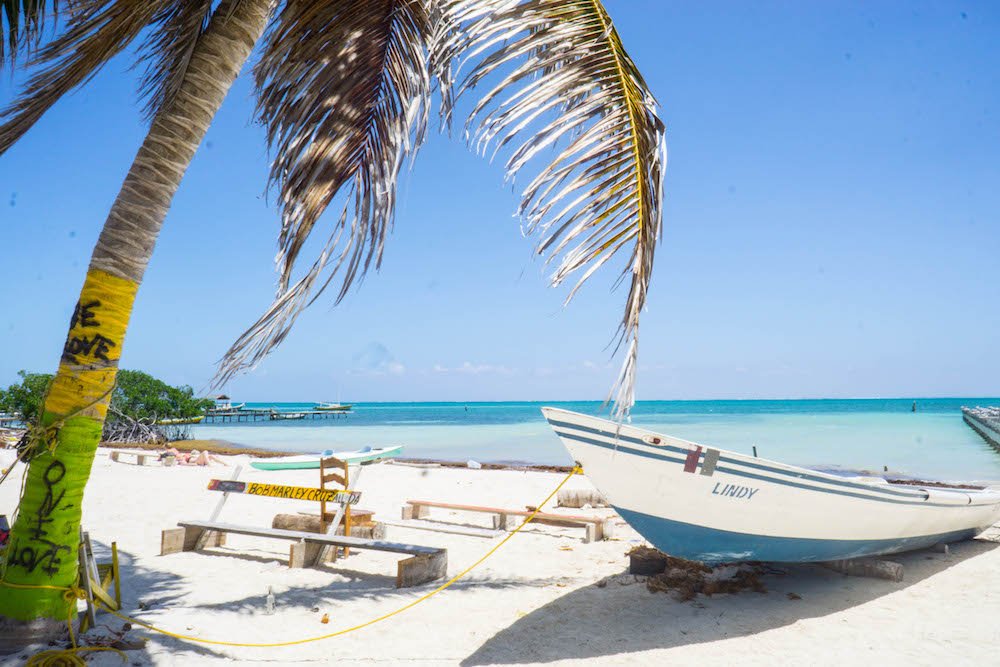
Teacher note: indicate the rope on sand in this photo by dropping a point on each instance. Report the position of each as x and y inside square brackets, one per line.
[70, 657]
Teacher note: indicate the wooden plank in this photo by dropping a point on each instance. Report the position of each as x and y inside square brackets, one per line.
[172, 541]
[311, 524]
[296, 535]
[225, 496]
[197, 538]
[471, 531]
[334, 477]
[98, 592]
[284, 491]
[540, 517]
[416, 511]
[140, 457]
[116, 574]
[421, 569]
[302, 554]
[89, 619]
[357, 516]
[332, 462]
[203, 539]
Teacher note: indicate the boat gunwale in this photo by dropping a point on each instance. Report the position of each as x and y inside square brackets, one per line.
[919, 496]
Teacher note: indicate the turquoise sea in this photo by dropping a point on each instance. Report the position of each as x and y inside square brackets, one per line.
[834, 434]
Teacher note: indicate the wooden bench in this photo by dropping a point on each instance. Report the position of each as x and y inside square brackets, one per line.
[596, 528]
[140, 457]
[308, 548]
[426, 563]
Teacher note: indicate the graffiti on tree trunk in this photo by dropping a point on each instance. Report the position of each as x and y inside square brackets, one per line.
[80, 343]
[41, 551]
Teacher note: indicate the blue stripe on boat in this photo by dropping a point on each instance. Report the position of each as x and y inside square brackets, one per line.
[685, 540]
[916, 495]
[749, 475]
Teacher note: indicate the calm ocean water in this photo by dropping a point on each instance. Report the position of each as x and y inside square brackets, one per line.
[864, 434]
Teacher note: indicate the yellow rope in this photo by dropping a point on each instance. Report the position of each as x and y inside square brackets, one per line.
[76, 592]
[64, 657]
[68, 657]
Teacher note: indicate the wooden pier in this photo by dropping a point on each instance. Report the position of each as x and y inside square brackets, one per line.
[985, 422]
[264, 414]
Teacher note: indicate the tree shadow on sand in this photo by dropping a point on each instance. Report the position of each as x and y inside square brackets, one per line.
[594, 622]
[159, 590]
[141, 587]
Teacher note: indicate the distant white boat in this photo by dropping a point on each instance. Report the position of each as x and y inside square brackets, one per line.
[334, 407]
[172, 421]
[310, 461]
[714, 506]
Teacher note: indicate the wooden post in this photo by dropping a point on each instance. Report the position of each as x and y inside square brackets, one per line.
[302, 553]
[413, 511]
[203, 540]
[421, 569]
[115, 575]
[89, 620]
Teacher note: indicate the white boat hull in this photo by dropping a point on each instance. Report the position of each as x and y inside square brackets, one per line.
[712, 505]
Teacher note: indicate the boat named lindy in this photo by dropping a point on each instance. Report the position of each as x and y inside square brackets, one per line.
[714, 506]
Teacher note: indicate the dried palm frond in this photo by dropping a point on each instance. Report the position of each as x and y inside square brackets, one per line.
[95, 32]
[342, 89]
[166, 52]
[567, 84]
[21, 25]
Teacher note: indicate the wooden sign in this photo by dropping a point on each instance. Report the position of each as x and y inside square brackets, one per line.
[342, 496]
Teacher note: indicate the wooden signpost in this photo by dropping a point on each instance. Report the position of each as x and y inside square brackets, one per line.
[322, 495]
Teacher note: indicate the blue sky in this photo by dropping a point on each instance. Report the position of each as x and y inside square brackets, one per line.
[831, 230]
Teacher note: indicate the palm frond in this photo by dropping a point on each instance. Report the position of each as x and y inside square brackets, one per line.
[95, 32]
[565, 82]
[22, 23]
[166, 52]
[342, 89]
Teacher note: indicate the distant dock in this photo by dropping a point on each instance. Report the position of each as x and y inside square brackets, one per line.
[985, 422]
[264, 414]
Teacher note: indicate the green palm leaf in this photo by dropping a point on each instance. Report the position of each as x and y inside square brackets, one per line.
[561, 79]
[343, 89]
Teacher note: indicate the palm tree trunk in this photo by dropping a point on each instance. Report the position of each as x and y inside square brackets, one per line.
[41, 560]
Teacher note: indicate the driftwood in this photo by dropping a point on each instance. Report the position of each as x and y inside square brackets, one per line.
[122, 429]
[310, 523]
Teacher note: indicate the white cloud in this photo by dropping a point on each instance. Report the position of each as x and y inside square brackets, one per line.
[376, 359]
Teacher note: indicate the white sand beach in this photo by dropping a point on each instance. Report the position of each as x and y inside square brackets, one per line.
[536, 601]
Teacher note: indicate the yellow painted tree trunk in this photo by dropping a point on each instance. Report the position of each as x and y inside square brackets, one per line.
[40, 563]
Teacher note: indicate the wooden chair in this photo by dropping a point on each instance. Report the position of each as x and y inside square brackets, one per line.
[334, 471]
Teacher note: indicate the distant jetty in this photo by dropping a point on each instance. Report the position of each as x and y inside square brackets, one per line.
[985, 422]
[269, 414]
